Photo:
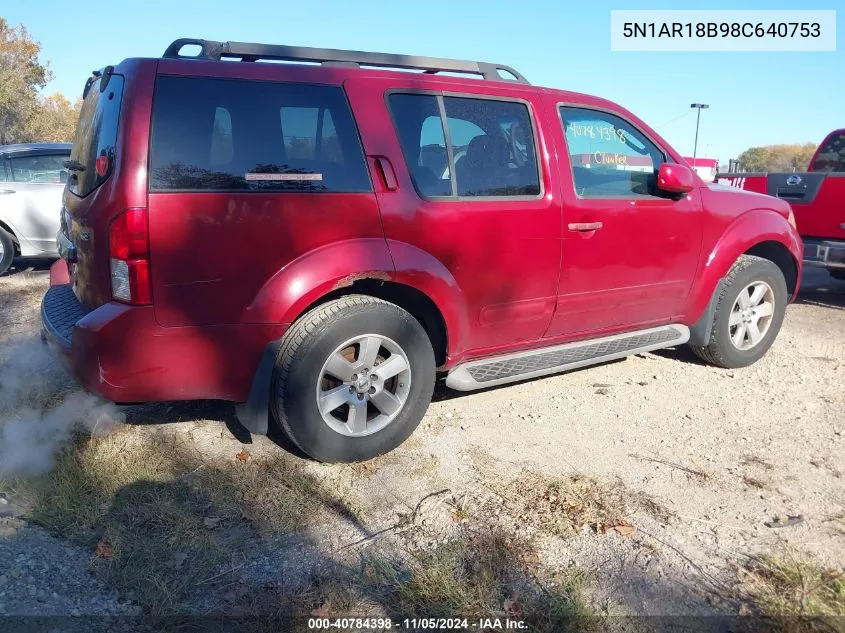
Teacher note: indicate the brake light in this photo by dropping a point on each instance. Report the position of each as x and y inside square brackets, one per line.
[129, 252]
[791, 219]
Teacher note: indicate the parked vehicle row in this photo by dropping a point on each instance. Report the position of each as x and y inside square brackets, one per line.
[32, 178]
[317, 241]
[817, 197]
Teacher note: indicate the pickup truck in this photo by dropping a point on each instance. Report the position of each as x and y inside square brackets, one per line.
[817, 197]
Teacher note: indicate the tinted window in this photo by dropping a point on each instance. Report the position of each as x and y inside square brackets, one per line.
[4, 173]
[831, 156]
[46, 168]
[423, 142]
[491, 145]
[96, 135]
[220, 134]
[609, 157]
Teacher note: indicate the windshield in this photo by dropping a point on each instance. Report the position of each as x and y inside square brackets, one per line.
[96, 135]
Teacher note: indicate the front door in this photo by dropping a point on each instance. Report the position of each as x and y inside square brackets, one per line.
[629, 252]
[471, 196]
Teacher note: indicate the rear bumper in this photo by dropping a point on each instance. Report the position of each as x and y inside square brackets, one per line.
[824, 253]
[121, 353]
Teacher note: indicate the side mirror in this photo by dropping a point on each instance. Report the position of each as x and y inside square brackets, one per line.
[675, 178]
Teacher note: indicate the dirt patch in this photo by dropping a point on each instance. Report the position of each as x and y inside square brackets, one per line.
[642, 499]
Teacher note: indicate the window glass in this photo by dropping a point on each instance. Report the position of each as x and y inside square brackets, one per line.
[831, 156]
[492, 145]
[222, 146]
[96, 134]
[40, 169]
[609, 157]
[222, 134]
[4, 173]
[423, 142]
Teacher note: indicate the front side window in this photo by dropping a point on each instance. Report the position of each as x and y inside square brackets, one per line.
[486, 149]
[609, 157]
[45, 168]
[225, 134]
[831, 156]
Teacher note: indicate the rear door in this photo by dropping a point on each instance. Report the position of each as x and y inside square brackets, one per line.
[629, 252]
[472, 194]
[31, 196]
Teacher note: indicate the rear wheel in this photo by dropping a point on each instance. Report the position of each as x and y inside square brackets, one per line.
[353, 379]
[837, 274]
[7, 251]
[749, 313]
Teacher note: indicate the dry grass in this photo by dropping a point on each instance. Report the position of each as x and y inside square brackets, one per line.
[20, 295]
[484, 573]
[789, 585]
[755, 460]
[169, 515]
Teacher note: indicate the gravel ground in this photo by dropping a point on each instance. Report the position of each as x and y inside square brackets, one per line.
[720, 452]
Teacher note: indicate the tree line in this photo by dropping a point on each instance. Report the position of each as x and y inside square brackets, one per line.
[794, 157]
[25, 114]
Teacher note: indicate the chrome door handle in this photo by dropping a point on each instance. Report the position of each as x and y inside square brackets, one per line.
[585, 226]
[2, 191]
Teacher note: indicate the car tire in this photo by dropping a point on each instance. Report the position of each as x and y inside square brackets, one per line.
[837, 274]
[744, 324]
[7, 251]
[321, 363]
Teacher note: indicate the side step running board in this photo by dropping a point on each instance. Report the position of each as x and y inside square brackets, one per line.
[498, 370]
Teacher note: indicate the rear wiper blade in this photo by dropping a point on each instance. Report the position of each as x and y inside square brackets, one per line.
[74, 165]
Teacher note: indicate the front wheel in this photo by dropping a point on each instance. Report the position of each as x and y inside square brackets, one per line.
[353, 379]
[749, 313]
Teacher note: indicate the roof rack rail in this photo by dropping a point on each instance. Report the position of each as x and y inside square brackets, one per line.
[249, 52]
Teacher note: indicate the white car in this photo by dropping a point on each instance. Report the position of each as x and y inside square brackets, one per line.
[32, 178]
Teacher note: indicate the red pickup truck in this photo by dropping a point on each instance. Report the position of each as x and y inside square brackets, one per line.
[817, 197]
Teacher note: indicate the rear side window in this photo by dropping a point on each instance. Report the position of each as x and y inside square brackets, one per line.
[45, 168]
[96, 134]
[486, 148]
[610, 158]
[831, 156]
[225, 135]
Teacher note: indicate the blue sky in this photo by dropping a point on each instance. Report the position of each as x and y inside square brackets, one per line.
[755, 98]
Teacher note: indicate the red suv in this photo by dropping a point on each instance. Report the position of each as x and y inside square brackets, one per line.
[317, 241]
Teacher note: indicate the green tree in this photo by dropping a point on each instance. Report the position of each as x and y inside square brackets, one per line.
[54, 120]
[791, 157]
[21, 78]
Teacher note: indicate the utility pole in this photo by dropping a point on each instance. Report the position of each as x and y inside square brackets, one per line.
[699, 107]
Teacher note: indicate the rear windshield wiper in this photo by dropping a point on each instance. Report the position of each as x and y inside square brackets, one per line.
[74, 165]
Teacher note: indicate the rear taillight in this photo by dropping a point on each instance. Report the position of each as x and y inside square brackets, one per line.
[129, 252]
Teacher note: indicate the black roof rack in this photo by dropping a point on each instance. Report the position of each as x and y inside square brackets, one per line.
[249, 52]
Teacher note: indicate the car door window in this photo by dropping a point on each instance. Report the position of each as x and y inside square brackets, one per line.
[486, 148]
[610, 158]
[47, 168]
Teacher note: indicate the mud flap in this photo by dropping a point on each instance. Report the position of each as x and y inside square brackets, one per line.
[254, 414]
[699, 334]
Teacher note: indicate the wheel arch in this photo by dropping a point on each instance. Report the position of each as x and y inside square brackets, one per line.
[6, 227]
[414, 301]
[761, 232]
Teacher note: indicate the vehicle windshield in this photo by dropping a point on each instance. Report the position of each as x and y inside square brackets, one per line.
[831, 155]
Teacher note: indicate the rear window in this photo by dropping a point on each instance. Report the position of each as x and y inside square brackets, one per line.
[225, 135]
[96, 134]
[831, 156]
